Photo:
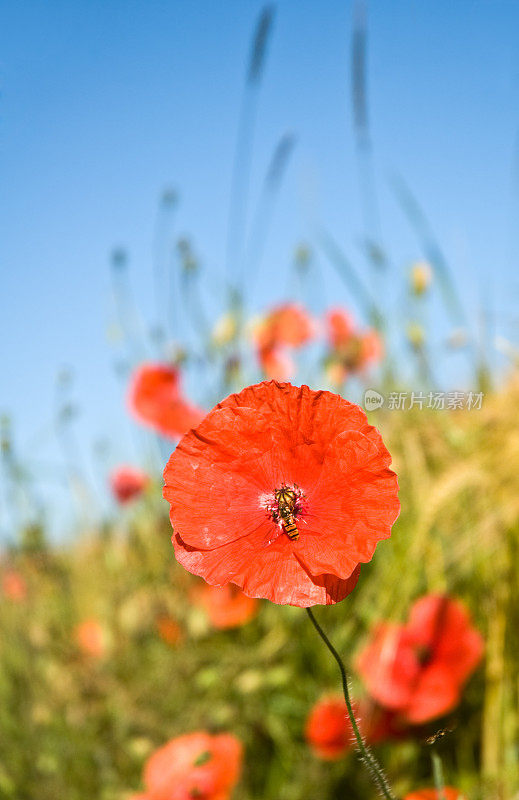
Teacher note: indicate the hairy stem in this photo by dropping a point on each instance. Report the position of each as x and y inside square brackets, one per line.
[368, 758]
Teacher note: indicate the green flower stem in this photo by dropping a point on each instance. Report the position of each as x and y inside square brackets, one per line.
[368, 758]
[439, 781]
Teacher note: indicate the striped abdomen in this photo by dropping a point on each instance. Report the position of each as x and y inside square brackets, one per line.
[290, 527]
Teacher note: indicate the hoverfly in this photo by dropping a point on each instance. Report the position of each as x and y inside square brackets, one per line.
[283, 511]
[286, 499]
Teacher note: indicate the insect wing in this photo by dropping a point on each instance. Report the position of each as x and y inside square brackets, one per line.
[271, 537]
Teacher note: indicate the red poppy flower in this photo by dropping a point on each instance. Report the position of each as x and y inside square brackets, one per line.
[329, 732]
[195, 765]
[226, 606]
[14, 586]
[352, 350]
[372, 347]
[328, 729]
[283, 491]
[287, 324]
[419, 669]
[155, 399]
[433, 794]
[90, 638]
[340, 325]
[127, 483]
[379, 724]
[276, 362]
[169, 630]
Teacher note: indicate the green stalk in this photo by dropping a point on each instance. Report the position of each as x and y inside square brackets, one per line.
[374, 768]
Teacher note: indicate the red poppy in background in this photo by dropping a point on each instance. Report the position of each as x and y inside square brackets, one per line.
[379, 724]
[351, 350]
[372, 347]
[224, 479]
[155, 399]
[419, 669]
[328, 729]
[14, 586]
[127, 483]
[276, 363]
[433, 794]
[196, 765]
[90, 638]
[287, 324]
[329, 732]
[226, 606]
[340, 325]
[169, 630]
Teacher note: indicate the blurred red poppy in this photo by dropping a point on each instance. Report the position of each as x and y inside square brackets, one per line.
[372, 347]
[155, 399]
[287, 324]
[328, 729]
[272, 457]
[127, 483]
[169, 630]
[196, 765]
[432, 794]
[340, 325]
[14, 586]
[276, 362]
[226, 606]
[379, 724]
[351, 350]
[329, 732]
[90, 638]
[419, 669]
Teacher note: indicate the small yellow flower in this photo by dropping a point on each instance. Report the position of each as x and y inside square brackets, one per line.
[224, 330]
[421, 277]
[415, 335]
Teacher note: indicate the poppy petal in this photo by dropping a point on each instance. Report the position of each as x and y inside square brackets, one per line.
[253, 566]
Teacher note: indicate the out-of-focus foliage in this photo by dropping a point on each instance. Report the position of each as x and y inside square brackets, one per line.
[79, 722]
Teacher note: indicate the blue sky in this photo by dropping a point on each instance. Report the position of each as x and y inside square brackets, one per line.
[105, 103]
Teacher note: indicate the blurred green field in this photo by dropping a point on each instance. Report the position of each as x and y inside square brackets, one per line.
[80, 726]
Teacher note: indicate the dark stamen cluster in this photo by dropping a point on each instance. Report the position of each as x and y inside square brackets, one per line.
[287, 500]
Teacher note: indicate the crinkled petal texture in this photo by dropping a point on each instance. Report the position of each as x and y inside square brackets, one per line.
[221, 475]
[195, 765]
[419, 669]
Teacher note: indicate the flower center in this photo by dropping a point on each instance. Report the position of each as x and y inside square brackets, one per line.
[423, 654]
[284, 506]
